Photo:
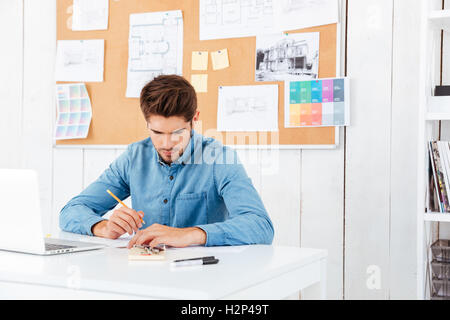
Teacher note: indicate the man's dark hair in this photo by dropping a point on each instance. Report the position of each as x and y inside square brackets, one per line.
[167, 96]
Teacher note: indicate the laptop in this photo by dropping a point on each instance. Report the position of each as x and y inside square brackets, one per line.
[20, 217]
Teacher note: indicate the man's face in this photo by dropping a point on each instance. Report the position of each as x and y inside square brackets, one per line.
[170, 136]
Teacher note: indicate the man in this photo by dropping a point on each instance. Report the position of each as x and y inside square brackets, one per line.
[189, 190]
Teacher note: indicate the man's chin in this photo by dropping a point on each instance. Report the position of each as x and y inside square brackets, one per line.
[169, 158]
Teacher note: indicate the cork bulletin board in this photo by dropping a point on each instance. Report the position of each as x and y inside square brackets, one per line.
[117, 120]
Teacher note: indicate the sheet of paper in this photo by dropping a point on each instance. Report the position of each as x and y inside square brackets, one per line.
[155, 47]
[220, 59]
[200, 82]
[90, 15]
[248, 108]
[299, 14]
[74, 111]
[317, 103]
[245, 18]
[200, 60]
[118, 243]
[80, 60]
[292, 56]
[235, 19]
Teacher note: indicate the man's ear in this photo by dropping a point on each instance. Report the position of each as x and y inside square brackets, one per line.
[197, 116]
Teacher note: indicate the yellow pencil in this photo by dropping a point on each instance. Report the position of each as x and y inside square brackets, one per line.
[118, 200]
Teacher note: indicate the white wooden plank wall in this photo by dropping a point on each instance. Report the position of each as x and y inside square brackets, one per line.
[404, 119]
[38, 99]
[354, 201]
[368, 151]
[11, 80]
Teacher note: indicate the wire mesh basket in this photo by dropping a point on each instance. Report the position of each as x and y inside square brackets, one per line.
[441, 251]
[441, 289]
[441, 270]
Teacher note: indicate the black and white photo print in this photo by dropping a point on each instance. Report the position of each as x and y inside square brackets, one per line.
[283, 57]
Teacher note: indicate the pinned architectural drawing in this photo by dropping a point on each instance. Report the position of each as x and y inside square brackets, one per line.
[299, 14]
[80, 60]
[74, 111]
[292, 56]
[248, 108]
[235, 18]
[90, 15]
[155, 48]
[247, 18]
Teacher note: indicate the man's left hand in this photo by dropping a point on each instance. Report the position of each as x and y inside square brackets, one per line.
[176, 237]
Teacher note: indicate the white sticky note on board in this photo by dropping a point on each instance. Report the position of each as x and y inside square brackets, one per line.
[199, 60]
[200, 82]
[220, 59]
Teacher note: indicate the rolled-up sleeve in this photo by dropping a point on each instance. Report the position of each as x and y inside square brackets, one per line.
[248, 221]
[85, 210]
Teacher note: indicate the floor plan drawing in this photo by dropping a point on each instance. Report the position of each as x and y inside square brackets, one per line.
[155, 48]
[234, 18]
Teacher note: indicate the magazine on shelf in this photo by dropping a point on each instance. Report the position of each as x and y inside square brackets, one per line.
[442, 148]
[432, 196]
[440, 163]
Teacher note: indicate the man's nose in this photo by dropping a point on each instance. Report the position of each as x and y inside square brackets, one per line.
[169, 142]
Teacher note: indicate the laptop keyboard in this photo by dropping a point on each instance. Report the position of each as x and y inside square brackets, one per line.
[49, 247]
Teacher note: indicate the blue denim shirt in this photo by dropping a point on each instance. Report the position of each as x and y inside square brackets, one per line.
[206, 187]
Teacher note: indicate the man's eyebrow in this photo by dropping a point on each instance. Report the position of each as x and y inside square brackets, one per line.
[176, 131]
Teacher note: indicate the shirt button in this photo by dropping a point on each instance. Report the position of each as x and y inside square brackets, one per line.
[171, 178]
[165, 200]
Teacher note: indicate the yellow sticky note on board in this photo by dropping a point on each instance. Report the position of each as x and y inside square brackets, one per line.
[220, 59]
[200, 82]
[199, 60]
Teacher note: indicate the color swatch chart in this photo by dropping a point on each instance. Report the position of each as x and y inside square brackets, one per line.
[317, 103]
[74, 111]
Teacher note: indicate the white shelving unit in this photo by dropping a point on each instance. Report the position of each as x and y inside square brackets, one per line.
[432, 110]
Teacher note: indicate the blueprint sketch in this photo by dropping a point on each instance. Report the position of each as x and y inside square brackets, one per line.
[298, 14]
[155, 48]
[80, 60]
[248, 108]
[90, 15]
[235, 18]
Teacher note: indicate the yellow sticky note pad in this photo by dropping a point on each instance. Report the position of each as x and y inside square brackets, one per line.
[220, 59]
[199, 60]
[200, 82]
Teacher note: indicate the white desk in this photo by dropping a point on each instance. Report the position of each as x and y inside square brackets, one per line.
[247, 272]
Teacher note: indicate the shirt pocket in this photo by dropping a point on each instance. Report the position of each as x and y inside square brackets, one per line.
[190, 210]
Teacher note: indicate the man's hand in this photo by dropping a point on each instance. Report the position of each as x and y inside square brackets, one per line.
[175, 237]
[122, 220]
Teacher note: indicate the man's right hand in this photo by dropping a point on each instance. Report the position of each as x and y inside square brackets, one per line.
[122, 220]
